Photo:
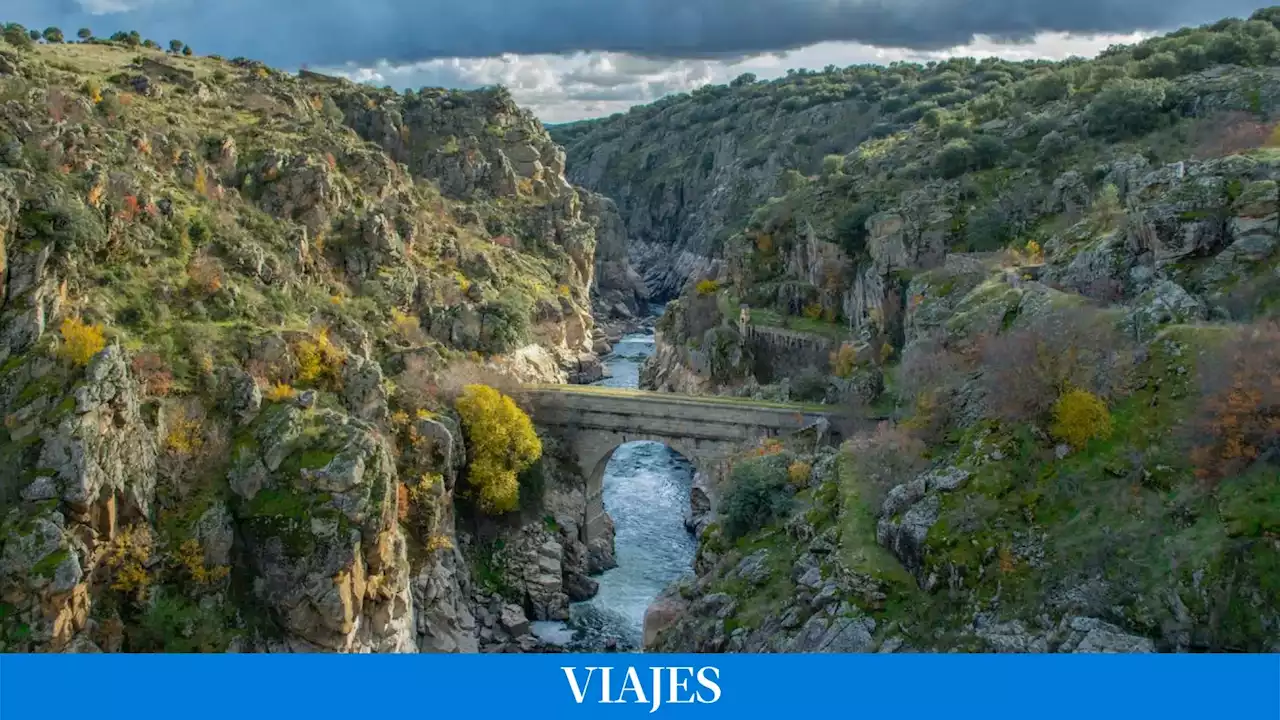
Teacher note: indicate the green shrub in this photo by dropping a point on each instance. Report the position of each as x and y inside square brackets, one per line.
[131, 38]
[957, 158]
[759, 494]
[505, 323]
[851, 228]
[175, 624]
[1127, 108]
[809, 386]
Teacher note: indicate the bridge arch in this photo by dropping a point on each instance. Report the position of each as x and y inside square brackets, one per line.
[594, 422]
[596, 450]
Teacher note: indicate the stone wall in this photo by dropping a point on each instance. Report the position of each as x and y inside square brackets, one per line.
[779, 352]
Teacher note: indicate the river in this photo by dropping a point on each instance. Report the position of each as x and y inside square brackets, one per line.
[646, 492]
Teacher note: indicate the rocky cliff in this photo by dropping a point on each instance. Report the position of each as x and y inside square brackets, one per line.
[1056, 287]
[966, 157]
[233, 308]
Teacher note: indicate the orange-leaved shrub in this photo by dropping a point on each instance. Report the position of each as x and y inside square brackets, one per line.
[153, 373]
[883, 458]
[1238, 421]
[204, 275]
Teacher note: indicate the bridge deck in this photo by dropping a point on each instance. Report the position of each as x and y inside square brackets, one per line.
[666, 397]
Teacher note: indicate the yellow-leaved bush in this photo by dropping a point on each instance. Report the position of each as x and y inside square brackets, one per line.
[798, 473]
[319, 360]
[1080, 416]
[501, 444]
[844, 361]
[81, 341]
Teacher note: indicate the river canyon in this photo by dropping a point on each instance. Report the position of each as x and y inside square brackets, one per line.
[646, 492]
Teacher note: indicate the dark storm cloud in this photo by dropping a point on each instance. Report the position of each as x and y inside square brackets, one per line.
[331, 32]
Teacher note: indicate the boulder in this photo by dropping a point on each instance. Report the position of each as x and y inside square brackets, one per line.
[661, 615]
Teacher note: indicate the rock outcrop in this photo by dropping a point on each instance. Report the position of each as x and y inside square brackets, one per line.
[222, 352]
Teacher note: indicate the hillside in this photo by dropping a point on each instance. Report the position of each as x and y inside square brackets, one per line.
[1054, 285]
[252, 324]
[237, 306]
[688, 171]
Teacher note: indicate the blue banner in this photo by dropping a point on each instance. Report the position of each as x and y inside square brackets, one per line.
[991, 687]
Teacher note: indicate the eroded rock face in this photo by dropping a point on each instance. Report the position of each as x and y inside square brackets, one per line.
[96, 472]
[30, 297]
[441, 597]
[675, 219]
[533, 564]
[363, 391]
[616, 282]
[318, 509]
[102, 452]
[41, 577]
[299, 187]
[661, 615]
[1224, 209]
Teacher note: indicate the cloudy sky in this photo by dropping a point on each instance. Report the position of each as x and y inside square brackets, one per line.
[570, 59]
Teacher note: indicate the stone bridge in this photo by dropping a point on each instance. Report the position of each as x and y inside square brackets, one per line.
[593, 421]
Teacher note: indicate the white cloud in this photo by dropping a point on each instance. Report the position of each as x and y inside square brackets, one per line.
[560, 88]
[108, 7]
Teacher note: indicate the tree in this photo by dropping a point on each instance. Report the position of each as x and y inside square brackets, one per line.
[1045, 88]
[52, 35]
[35, 35]
[175, 46]
[1127, 107]
[759, 494]
[743, 79]
[132, 38]
[1026, 370]
[501, 444]
[988, 151]
[956, 158]
[186, 50]
[84, 33]
[16, 35]
[1160, 65]
[1237, 423]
